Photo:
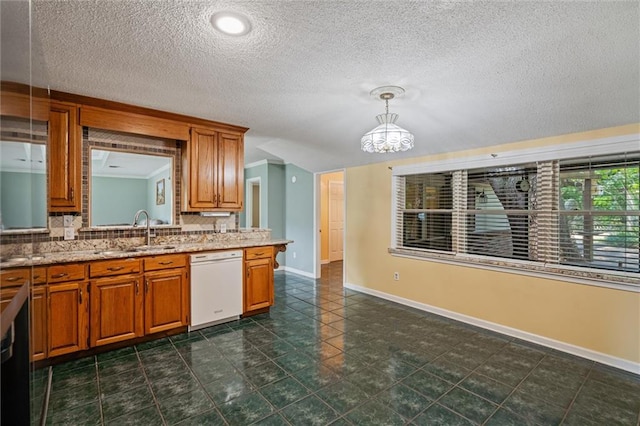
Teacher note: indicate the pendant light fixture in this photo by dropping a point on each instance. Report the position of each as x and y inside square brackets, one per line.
[388, 136]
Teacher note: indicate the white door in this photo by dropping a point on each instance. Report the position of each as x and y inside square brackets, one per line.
[336, 220]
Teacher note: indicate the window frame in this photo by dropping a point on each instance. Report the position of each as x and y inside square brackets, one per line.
[546, 156]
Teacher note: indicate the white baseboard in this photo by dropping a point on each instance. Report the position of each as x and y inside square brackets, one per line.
[613, 361]
[297, 271]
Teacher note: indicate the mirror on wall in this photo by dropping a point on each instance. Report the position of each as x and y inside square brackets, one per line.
[23, 182]
[124, 182]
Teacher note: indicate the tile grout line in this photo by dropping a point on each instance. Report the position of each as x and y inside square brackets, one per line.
[148, 382]
[193, 373]
[45, 406]
[97, 368]
[575, 396]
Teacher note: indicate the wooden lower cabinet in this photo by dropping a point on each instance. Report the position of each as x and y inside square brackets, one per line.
[166, 300]
[38, 323]
[6, 294]
[116, 309]
[67, 318]
[258, 284]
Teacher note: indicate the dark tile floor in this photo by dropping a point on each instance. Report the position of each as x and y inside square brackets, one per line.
[326, 355]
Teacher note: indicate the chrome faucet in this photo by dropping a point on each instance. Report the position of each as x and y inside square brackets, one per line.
[135, 223]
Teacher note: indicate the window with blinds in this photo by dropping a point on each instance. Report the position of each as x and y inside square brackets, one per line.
[599, 212]
[425, 208]
[499, 211]
[581, 212]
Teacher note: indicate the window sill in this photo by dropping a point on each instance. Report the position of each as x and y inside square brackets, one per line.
[626, 281]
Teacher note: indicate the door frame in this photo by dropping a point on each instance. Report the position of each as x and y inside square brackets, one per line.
[317, 221]
[335, 182]
[248, 214]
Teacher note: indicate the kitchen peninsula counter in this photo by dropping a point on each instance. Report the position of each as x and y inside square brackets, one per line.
[90, 250]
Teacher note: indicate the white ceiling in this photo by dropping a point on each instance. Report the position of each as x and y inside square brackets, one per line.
[475, 73]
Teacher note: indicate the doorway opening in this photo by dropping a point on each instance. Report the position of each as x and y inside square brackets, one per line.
[331, 217]
[253, 203]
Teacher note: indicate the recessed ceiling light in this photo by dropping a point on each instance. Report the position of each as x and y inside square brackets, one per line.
[231, 23]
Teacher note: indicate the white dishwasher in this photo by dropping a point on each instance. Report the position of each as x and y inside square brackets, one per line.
[216, 288]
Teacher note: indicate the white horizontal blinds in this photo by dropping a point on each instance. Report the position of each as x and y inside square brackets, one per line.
[599, 212]
[543, 231]
[426, 215]
[459, 220]
[498, 211]
[399, 186]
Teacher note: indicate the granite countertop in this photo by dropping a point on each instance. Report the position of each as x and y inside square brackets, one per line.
[41, 259]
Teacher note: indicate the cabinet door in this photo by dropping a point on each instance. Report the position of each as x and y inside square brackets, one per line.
[230, 173]
[202, 157]
[64, 158]
[258, 289]
[166, 300]
[67, 314]
[116, 309]
[38, 323]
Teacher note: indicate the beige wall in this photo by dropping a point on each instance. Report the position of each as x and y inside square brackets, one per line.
[324, 211]
[595, 318]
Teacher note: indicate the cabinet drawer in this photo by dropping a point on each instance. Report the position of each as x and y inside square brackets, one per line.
[154, 263]
[14, 277]
[264, 252]
[108, 268]
[39, 275]
[62, 273]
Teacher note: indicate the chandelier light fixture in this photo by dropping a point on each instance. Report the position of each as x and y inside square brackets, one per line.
[388, 136]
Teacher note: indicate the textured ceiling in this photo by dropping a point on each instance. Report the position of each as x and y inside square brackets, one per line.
[475, 73]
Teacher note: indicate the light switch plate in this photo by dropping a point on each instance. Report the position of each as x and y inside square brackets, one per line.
[69, 234]
[223, 228]
[67, 220]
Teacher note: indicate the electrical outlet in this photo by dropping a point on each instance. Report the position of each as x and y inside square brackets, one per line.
[67, 220]
[69, 234]
[223, 228]
[294, 254]
[396, 276]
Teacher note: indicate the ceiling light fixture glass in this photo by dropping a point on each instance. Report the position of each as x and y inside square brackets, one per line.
[388, 136]
[231, 23]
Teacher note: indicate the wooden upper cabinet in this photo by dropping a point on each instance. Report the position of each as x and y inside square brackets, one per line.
[200, 157]
[213, 171]
[64, 156]
[213, 167]
[230, 171]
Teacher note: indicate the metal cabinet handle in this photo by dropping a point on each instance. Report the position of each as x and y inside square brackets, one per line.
[115, 268]
[71, 194]
[64, 274]
[80, 297]
[166, 263]
[12, 279]
[146, 286]
[137, 287]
